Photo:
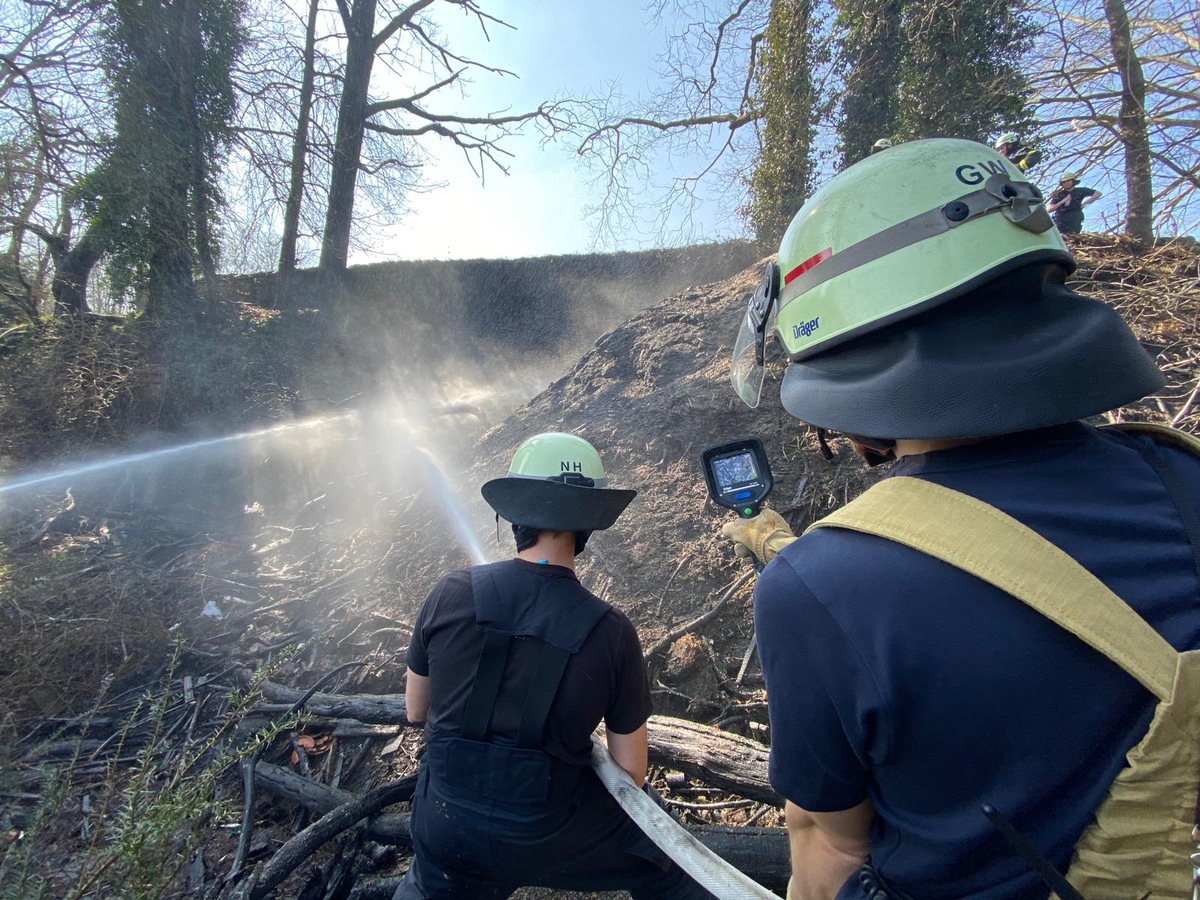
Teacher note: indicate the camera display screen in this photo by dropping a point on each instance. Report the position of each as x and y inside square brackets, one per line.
[731, 471]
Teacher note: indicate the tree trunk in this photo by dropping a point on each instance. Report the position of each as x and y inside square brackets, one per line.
[1139, 188]
[783, 175]
[717, 758]
[352, 113]
[170, 289]
[295, 198]
[190, 49]
[872, 47]
[72, 268]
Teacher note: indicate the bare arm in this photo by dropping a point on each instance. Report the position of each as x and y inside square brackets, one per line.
[826, 848]
[416, 697]
[631, 752]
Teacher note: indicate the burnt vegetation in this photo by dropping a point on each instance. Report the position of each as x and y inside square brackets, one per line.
[200, 660]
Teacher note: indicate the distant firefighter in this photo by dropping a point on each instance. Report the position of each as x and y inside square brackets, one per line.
[1067, 203]
[881, 144]
[1021, 155]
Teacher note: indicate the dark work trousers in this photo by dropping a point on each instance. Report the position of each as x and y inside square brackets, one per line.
[480, 850]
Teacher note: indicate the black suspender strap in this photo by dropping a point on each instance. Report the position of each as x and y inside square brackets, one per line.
[557, 613]
[492, 659]
[551, 664]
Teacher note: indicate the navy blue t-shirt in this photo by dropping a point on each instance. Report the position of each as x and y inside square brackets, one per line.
[896, 677]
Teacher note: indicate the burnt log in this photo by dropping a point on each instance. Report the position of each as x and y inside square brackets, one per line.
[375, 709]
[721, 760]
[383, 828]
[761, 853]
[293, 854]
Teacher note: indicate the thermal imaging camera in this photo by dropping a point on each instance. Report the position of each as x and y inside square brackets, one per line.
[738, 474]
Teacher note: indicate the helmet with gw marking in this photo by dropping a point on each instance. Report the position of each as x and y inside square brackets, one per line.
[918, 294]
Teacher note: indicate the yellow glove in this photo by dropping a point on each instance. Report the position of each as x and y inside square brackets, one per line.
[762, 536]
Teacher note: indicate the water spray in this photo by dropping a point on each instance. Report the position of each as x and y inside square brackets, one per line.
[452, 506]
[113, 462]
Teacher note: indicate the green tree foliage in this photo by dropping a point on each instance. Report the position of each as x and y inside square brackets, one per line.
[871, 53]
[960, 73]
[932, 68]
[790, 109]
[152, 198]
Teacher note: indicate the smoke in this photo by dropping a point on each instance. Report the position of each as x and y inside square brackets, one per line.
[399, 377]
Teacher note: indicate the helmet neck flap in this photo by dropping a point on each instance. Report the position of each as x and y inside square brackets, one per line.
[1019, 353]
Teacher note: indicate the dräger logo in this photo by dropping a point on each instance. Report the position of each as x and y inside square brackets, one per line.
[799, 331]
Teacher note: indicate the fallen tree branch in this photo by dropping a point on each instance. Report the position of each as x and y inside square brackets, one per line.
[761, 853]
[304, 844]
[375, 709]
[665, 642]
[249, 764]
[388, 828]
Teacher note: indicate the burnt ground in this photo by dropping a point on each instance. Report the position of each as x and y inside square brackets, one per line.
[93, 591]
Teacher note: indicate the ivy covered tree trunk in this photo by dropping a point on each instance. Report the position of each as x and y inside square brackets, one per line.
[1139, 187]
[783, 176]
[150, 201]
[871, 52]
[961, 73]
[72, 268]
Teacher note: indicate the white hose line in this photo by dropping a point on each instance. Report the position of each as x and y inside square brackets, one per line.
[721, 879]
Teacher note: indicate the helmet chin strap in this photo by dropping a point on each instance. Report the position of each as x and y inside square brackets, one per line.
[873, 451]
[526, 536]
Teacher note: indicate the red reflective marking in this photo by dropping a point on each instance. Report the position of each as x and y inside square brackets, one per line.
[807, 264]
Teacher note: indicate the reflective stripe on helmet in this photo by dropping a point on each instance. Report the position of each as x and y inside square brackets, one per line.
[1019, 202]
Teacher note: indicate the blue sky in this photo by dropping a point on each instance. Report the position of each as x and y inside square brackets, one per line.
[567, 47]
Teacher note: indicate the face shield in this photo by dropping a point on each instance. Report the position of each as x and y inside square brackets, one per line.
[748, 365]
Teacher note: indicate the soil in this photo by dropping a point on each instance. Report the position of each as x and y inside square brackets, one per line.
[332, 587]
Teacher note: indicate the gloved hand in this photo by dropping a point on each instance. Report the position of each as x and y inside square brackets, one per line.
[762, 536]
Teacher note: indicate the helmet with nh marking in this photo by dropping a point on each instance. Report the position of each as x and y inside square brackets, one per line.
[556, 482]
[861, 297]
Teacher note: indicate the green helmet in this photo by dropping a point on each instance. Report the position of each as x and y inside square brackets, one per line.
[891, 239]
[1009, 137]
[556, 482]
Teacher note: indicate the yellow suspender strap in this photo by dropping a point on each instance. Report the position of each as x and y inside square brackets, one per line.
[989, 544]
[1162, 434]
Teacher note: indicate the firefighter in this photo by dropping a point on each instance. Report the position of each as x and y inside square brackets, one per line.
[512, 666]
[981, 674]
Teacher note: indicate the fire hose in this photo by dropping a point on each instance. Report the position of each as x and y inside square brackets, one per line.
[739, 477]
[717, 876]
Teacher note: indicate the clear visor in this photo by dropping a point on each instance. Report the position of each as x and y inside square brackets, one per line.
[745, 370]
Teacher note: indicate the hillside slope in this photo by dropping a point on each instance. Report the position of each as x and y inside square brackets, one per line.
[334, 576]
